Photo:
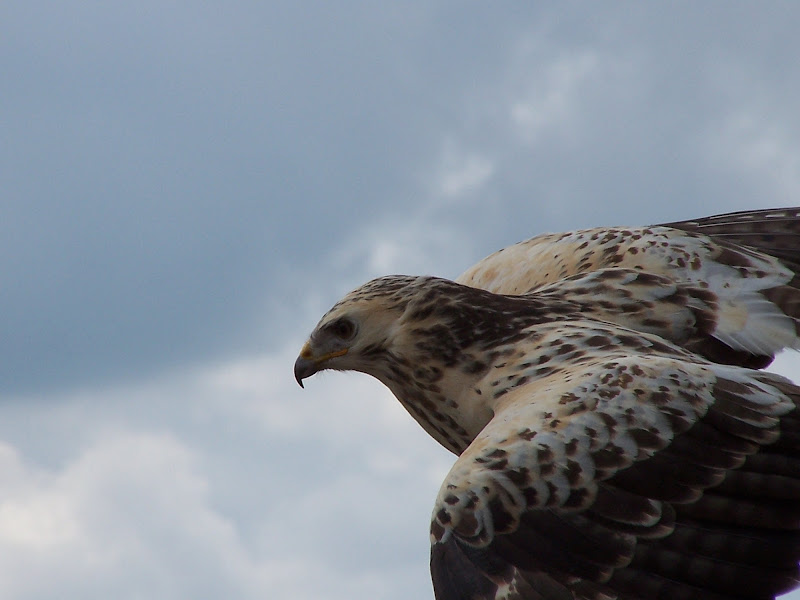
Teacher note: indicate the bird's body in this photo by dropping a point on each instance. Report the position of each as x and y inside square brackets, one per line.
[616, 439]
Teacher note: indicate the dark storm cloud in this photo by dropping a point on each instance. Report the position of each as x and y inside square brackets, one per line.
[174, 172]
[161, 160]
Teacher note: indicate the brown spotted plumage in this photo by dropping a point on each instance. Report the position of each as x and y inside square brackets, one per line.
[615, 437]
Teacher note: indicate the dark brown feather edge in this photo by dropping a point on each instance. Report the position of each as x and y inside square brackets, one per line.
[773, 231]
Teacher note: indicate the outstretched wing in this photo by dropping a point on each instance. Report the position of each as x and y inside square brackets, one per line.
[739, 304]
[630, 476]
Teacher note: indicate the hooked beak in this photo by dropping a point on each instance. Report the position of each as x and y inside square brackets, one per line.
[303, 368]
[307, 364]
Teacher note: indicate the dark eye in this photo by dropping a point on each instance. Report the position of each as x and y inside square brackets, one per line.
[342, 328]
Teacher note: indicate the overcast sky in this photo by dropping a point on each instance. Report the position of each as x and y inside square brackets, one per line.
[186, 187]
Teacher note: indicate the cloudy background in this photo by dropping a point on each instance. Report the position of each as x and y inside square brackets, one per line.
[185, 187]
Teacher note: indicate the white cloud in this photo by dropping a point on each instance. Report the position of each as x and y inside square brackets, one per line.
[246, 486]
[418, 242]
[461, 171]
[130, 507]
[553, 96]
[28, 519]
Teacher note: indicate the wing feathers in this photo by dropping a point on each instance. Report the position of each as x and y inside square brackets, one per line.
[759, 547]
[727, 288]
[722, 451]
[772, 231]
[640, 584]
[759, 513]
[532, 550]
[747, 483]
[653, 527]
[771, 462]
[584, 536]
[705, 435]
[711, 574]
[459, 571]
[616, 504]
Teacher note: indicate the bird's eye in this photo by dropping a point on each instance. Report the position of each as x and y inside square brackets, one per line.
[343, 328]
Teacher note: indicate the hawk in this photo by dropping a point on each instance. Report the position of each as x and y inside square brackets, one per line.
[602, 389]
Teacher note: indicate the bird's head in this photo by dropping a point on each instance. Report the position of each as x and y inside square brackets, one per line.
[356, 333]
[390, 322]
[429, 340]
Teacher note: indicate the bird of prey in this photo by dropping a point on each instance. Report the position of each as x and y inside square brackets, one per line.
[602, 389]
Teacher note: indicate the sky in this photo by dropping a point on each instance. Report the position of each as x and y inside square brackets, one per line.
[186, 187]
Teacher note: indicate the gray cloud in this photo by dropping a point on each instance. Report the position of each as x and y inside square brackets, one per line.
[165, 168]
[162, 164]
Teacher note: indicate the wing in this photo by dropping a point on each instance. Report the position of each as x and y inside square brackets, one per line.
[632, 477]
[740, 305]
[748, 333]
[772, 231]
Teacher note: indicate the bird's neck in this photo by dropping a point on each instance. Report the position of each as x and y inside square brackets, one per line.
[442, 395]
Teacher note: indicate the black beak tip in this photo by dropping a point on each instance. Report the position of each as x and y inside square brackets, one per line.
[303, 368]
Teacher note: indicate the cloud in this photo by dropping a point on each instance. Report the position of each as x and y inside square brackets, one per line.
[246, 484]
[554, 96]
[417, 241]
[461, 171]
[121, 518]
[758, 145]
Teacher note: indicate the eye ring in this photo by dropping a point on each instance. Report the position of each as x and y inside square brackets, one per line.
[342, 328]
